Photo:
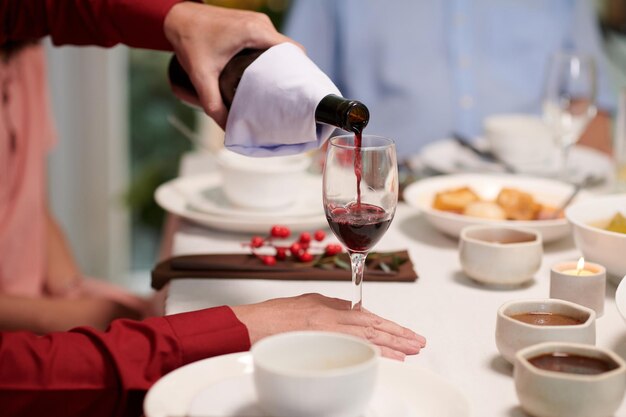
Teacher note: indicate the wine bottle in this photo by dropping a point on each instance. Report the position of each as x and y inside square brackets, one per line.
[346, 114]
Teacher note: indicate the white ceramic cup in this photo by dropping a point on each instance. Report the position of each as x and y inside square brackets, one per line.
[261, 183]
[500, 255]
[522, 140]
[312, 374]
[545, 393]
[513, 335]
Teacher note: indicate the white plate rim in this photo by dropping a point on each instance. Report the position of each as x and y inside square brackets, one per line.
[173, 393]
[173, 201]
[414, 197]
[437, 147]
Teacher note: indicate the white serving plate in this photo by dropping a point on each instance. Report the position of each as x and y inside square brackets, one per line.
[422, 193]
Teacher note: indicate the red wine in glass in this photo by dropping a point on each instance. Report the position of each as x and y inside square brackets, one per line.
[359, 226]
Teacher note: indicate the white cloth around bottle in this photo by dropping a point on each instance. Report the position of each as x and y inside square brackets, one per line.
[273, 111]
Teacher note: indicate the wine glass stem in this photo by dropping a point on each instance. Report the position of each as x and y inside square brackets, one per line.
[564, 162]
[357, 260]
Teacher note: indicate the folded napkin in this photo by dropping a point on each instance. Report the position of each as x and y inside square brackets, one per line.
[273, 111]
[250, 267]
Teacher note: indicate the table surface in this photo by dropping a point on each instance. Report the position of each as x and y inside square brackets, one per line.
[455, 314]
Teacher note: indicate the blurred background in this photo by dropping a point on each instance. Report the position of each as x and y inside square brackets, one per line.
[116, 144]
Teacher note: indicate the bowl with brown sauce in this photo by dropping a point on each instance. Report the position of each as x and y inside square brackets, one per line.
[558, 379]
[522, 323]
[599, 228]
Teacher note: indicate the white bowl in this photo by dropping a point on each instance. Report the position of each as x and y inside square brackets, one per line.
[311, 374]
[513, 335]
[544, 393]
[421, 195]
[522, 140]
[598, 245]
[261, 183]
[497, 255]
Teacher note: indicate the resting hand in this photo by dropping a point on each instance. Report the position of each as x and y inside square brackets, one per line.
[316, 312]
[206, 37]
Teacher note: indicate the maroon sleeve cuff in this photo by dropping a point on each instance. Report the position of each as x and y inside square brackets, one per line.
[140, 22]
[211, 332]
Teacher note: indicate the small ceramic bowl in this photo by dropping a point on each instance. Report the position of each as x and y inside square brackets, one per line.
[262, 183]
[513, 334]
[548, 393]
[311, 374]
[500, 255]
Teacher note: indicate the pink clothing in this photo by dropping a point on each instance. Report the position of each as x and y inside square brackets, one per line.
[26, 135]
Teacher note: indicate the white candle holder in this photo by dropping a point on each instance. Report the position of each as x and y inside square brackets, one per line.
[587, 290]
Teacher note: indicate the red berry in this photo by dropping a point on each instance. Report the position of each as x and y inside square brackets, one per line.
[319, 235]
[256, 241]
[280, 231]
[333, 249]
[305, 237]
[305, 257]
[281, 254]
[295, 248]
[268, 260]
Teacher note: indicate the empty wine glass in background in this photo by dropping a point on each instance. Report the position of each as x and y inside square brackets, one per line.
[360, 196]
[569, 100]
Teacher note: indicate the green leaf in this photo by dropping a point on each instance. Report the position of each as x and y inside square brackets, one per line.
[384, 267]
[341, 264]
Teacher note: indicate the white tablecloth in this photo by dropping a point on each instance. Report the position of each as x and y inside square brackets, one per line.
[456, 315]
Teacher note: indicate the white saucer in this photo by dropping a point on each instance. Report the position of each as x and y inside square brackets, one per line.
[199, 199]
[222, 387]
[205, 193]
[447, 157]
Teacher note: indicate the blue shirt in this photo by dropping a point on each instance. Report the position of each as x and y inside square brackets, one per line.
[426, 68]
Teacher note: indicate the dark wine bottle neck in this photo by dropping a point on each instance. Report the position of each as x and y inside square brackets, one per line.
[346, 114]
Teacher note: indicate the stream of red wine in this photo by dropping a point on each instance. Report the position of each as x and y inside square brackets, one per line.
[358, 165]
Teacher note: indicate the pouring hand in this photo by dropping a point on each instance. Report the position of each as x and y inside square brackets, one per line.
[206, 37]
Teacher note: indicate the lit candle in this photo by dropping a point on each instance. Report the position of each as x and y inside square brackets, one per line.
[582, 283]
[580, 269]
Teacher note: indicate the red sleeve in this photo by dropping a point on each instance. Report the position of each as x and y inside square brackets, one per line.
[137, 23]
[84, 372]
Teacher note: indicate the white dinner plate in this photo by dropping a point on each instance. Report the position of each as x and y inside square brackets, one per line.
[421, 195]
[620, 298]
[222, 387]
[447, 157]
[199, 198]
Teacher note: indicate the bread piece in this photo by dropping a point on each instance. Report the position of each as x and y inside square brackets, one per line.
[485, 210]
[518, 205]
[454, 200]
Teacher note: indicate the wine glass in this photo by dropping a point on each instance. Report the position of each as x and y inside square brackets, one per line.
[569, 100]
[360, 196]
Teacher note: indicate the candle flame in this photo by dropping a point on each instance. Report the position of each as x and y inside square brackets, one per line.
[580, 265]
